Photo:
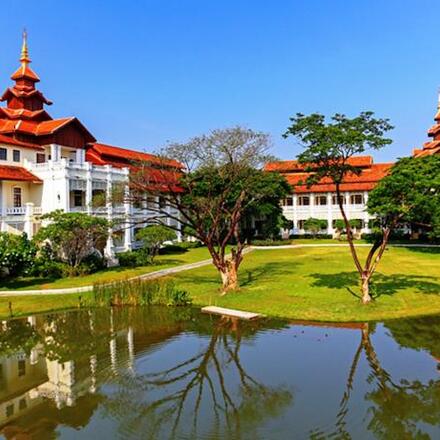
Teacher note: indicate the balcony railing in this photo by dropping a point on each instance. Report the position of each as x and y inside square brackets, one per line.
[20, 211]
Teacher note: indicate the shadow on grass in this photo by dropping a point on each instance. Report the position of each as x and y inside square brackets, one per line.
[425, 250]
[382, 284]
[246, 277]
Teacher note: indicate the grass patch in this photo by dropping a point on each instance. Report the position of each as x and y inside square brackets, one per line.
[321, 284]
[108, 275]
[304, 283]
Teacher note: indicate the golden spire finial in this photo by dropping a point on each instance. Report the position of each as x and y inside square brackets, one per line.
[24, 49]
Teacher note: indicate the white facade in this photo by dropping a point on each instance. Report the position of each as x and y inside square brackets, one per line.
[69, 183]
[300, 207]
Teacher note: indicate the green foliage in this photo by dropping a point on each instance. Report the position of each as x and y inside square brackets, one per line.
[18, 336]
[153, 237]
[139, 292]
[410, 193]
[72, 236]
[17, 254]
[355, 223]
[339, 225]
[330, 146]
[127, 259]
[270, 242]
[315, 225]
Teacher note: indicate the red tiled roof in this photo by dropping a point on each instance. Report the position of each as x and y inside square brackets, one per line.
[22, 113]
[17, 173]
[296, 175]
[285, 166]
[38, 128]
[122, 156]
[11, 141]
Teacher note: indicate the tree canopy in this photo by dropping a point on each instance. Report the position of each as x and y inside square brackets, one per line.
[153, 237]
[73, 236]
[410, 193]
[223, 187]
[329, 148]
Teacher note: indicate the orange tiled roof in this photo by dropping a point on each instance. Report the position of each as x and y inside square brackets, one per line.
[37, 128]
[11, 141]
[117, 156]
[296, 175]
[285, 166]
[17, 173]
[22, 113]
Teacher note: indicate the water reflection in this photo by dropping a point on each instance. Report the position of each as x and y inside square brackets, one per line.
[160, 373]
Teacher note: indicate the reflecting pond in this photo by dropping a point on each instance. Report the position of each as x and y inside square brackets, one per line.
[159, 373]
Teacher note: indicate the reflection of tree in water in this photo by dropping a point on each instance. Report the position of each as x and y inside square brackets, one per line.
[211, 388]
[399, 409]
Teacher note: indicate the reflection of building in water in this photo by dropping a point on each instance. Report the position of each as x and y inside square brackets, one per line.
[26, 381]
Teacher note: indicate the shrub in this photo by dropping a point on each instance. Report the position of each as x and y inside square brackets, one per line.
[17, 254]
[309, 237]
[270, 242]
[47, 268]
[127, 259]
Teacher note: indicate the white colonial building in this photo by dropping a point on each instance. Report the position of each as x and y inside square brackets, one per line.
[48, 164]
[320, 200]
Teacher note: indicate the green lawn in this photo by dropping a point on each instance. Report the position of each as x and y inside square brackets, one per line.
[302, 283]
[113, 274]
[321, 284]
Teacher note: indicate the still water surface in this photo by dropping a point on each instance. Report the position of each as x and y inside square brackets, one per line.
[156, 373]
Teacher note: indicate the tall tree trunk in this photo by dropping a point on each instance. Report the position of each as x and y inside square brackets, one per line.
[229, 277]
[365, 287]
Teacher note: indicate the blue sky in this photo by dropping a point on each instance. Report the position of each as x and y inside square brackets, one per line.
[141, 73]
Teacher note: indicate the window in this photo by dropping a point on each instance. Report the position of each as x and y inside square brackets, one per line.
[301, 224]
[16, 195]
[356, 199]
[41, 158]
[22, 404]
[10, 410]
[151, 202]
[3, 154]
[21, 367]
[303, 201]
[162, 202]
[288, 201]
[77, 198]
[335, 200]
[321, 200]
[16, 155]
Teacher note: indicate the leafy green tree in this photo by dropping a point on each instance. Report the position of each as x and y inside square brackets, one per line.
[409, 194]
[315, 225]
[73, 236]
[153, 237]
[17, 254]
[328, 150]
[223, 185]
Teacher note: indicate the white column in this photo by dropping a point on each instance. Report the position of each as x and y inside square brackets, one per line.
[80, 155]
[347, 205]
[312, 204]
[28, 220]
[89, 187]
[55, 152]
[330, 229]
[65, 195]
[3, 206]
[128, 211]
[109, 251]
[295, 212]
[366, 215]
